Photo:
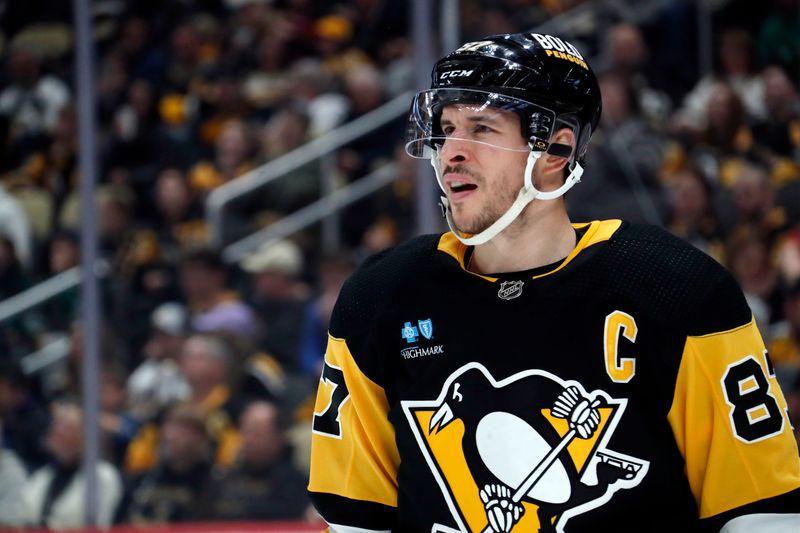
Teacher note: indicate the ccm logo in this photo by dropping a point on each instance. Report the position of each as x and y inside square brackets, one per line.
[456, 74]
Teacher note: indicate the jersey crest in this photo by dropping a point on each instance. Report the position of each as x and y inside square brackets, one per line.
[503, 466]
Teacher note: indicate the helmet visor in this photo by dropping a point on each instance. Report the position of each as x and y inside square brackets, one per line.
[427, 131]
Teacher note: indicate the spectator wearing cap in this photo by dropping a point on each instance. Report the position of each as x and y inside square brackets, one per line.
[278, 296]
[169, 491]
[203, 277]
[263, 484]
[158, 383]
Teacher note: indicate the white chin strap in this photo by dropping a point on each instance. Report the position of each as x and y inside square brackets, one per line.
[526, 195]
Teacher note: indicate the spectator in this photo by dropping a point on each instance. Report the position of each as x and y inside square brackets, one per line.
[263, 484]
[15, 225]
[333, 271]
[117, 425]
[779, 36]
[777, 132]
[629, 58]
[62, 380]
[311, 86]
[134, 127]
[234, 149]
[754, 200]
[784, 350]
[736, 67]
[24, 420]
[157, 382]
[32, 99]
[140, 52]
[170, 491]
[208, 363]
[177, 220]
[793, 405]
[287, 130]
[185, 57]
[63, 254]
[334, 42]
[693, 216]
[212, 306]
[54, 495]
[15, 332]
[265, 53]
[279, 296]
[725, 138]
[622, 180]
[749, 261]
[12, 477]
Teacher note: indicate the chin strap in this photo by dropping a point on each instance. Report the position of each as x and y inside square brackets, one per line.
[526, 195]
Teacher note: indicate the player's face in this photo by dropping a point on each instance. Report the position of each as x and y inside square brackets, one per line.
[482, 161]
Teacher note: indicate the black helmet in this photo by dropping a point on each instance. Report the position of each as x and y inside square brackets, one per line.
[542, 78]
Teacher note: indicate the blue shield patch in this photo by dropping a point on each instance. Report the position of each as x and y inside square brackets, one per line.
[426, 328]
[409, 332]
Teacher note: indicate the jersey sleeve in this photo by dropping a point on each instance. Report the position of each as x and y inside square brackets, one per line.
[354, 458]
[731, 424]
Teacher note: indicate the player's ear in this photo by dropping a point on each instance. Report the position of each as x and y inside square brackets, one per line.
[552, 162]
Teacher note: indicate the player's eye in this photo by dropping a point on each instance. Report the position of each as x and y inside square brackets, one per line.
[482, 128]
[448, 130]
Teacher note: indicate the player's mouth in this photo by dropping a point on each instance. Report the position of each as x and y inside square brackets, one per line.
[459, 186]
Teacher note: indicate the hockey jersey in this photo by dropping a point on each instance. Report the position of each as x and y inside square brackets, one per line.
[626, 388]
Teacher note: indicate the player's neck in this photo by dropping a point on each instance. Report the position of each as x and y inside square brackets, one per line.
[538, 240]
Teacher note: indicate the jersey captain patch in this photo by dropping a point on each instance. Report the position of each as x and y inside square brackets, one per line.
[521, 467]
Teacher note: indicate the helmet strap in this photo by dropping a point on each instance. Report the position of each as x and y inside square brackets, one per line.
[526, 195]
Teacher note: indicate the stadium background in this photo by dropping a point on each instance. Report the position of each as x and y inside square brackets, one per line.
[249, 156]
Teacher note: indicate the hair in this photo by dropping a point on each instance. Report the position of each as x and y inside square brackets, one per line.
[206, 258]
[12, 373]
[188, 415]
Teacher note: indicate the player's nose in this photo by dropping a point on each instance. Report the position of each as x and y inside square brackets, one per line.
[456, 150]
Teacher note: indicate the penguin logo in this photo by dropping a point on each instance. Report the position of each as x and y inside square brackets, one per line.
[505, 466]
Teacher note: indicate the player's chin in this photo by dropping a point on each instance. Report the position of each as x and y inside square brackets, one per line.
[470, 226]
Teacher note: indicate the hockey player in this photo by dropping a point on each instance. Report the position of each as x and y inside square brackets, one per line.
[525, 373]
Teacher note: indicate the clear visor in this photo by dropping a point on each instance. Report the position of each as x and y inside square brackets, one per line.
[441, 115]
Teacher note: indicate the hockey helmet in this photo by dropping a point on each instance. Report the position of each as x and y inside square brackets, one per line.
[541, 77]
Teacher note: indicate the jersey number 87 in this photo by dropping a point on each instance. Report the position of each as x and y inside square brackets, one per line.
[755, 414]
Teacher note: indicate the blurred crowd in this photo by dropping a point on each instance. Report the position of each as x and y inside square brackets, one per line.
[208, 369]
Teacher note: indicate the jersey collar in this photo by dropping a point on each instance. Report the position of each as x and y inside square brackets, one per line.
[595, 232]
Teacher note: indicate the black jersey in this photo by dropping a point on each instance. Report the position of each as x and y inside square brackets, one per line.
[625, 389]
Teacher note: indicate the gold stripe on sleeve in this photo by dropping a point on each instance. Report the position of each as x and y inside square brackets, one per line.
[362, 463]
[729, 420]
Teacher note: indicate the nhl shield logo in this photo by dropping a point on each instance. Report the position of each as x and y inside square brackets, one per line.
[426, 328]
[510, 290]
